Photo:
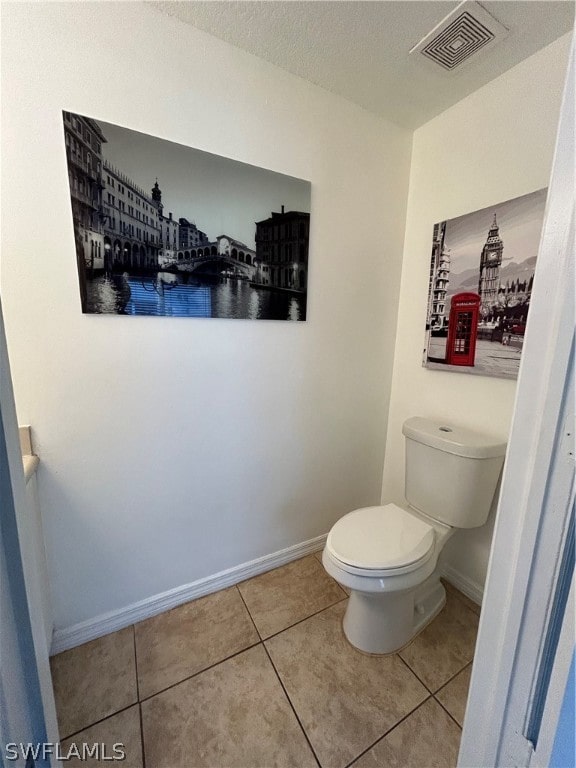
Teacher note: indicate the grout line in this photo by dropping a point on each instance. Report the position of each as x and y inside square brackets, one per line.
[220, 661]
[249, 614]
[97, 722]
[292, 707]
[433, 693]
[415, 674]
[345, 596]
[123, 709]
[281, 683]
[199, 672]
[138, 697]
[341, 588]
[468, 664]
[444, 686]
[136, 663]
[231, 656]
[450, 715]
[142, 735]
[301, 621]
[379, 739]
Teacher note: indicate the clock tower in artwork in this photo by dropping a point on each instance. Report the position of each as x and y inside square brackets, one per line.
[490, 262]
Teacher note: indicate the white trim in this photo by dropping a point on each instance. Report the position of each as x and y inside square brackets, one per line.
[463, 583]
[70, 637]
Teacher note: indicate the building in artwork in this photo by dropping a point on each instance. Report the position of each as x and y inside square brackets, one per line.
[169, 229]
[132, 222]
[120, 227]
[230, 247]
[282, 251]
[190, 236]
[221, 252]
[439, 278]
[84, 141]
[511, 311]
[116, 223]
[490, 262]
[169, 239]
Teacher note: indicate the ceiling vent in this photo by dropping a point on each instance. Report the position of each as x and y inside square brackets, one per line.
[465, 33]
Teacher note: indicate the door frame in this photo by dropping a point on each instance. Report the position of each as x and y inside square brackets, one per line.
[34, 698]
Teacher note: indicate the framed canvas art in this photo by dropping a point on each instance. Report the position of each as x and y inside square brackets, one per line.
[480, 283]
[163, 229]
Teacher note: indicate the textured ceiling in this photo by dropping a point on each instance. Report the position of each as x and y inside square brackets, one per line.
[359, 50]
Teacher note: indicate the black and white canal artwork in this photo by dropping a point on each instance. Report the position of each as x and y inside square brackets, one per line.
[165, 229]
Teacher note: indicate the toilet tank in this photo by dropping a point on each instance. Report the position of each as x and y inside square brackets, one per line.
[451, 472]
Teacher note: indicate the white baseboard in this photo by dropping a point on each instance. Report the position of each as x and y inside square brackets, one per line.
[468, 587]
[70, 637]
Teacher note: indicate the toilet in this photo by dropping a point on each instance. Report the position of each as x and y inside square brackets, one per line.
[387, 555]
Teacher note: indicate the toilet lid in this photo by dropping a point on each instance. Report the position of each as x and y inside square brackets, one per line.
[381, 538]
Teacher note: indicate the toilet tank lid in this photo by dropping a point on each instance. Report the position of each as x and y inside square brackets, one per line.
[453, 439]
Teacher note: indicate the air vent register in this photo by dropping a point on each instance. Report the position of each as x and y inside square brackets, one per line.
[467, 31]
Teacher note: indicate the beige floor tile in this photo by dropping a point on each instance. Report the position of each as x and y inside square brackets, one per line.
[344, 699]
[181, 642]
[282, 597]
[428, 738]
[445, 646]
[455, 694]
[462, 597]
[94, 680]
[122, 730]
[234, 715]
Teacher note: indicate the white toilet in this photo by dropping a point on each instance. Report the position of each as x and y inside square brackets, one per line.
[387, 555]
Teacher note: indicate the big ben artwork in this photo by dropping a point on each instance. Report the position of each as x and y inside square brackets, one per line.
[490, 262]
[478, 291]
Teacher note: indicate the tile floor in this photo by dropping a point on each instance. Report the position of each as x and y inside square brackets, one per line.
[260, 675]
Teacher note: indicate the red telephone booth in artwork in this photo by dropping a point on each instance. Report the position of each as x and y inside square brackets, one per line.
[462, 329]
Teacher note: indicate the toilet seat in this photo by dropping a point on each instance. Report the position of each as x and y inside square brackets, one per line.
[380, 541]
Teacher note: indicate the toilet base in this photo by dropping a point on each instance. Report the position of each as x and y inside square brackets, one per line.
[382, 623]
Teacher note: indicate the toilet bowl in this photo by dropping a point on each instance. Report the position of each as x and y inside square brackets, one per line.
[387, 555]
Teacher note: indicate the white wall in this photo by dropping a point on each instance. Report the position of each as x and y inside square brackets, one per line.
[492, 146]
[173, 448]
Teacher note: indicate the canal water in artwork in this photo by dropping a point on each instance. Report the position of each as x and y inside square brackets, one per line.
[175, 295]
